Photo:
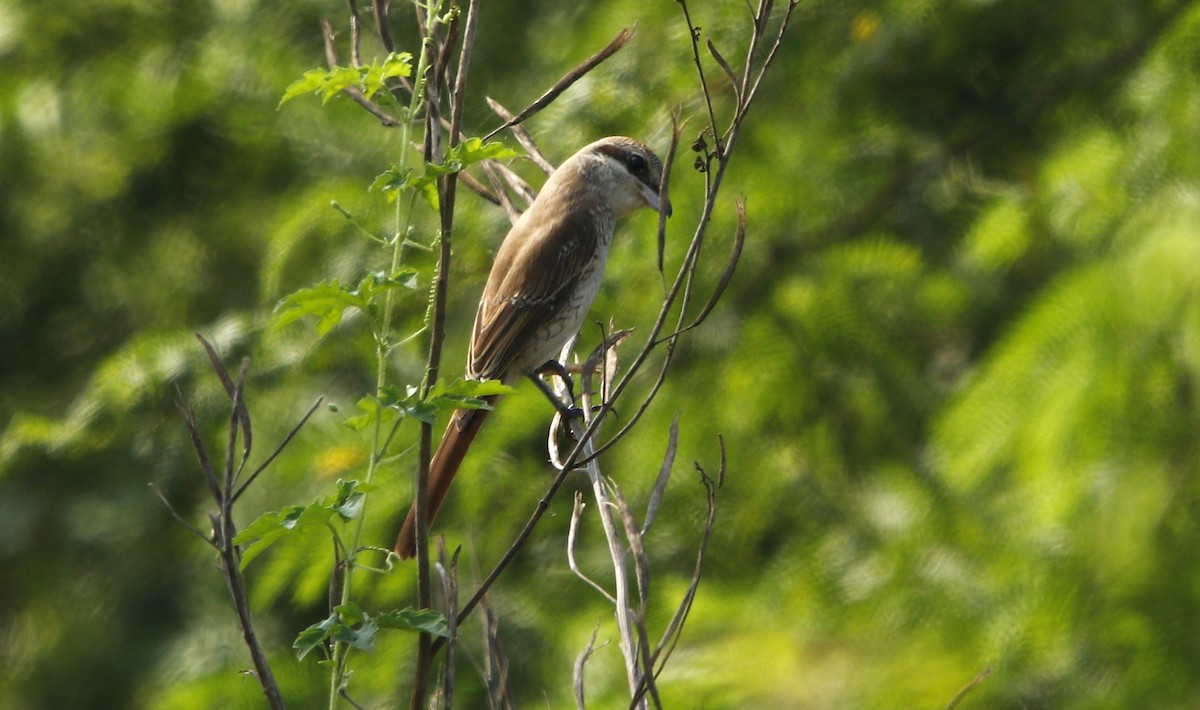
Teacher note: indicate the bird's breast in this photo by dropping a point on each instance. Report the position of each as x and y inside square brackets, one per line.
[550, 338]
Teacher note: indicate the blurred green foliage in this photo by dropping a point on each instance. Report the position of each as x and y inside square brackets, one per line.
[957, 369]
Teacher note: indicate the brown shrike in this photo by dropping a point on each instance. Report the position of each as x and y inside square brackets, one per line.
[542, 284]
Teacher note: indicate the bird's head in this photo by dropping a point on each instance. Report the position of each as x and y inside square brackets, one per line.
[626, 171]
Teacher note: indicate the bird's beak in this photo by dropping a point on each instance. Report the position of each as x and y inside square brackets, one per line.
[651, 196]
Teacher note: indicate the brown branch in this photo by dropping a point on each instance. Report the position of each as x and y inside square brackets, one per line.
[355, 34]
[521, 135]
[567, 80]
[975, 682]
[354, 93]
[381, 24]
[278, 449]
[448, 571]
[664, 475]
[224, 529]
[580, 661]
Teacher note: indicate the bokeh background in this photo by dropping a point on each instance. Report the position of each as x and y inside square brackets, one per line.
[956, 371]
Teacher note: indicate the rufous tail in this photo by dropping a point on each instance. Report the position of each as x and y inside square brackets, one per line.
[460, 432]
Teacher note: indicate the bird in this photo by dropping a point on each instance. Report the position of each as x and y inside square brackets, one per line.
[543, 280]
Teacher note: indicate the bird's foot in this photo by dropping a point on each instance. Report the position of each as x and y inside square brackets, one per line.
[554, 367]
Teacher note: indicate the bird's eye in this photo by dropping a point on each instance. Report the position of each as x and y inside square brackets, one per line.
[637, 163]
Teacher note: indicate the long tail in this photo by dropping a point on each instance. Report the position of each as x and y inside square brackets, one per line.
[460, 432]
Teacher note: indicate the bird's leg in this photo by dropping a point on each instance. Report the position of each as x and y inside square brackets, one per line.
[567, 409]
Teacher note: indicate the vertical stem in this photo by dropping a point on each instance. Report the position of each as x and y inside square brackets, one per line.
[383, 346]
[427, 79]
[626, 629]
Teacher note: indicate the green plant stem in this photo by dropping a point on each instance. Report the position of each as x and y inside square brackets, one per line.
[383, 348]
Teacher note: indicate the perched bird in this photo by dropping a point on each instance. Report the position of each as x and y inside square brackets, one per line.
[542, 284]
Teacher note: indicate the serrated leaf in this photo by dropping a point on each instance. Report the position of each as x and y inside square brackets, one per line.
[371, 409]
[369, 79]
[471, 390]
[395, 180]
[327, 301]
[346, 502]
[265, 531]
[474, 150]
[376, 283]
[375, 76]
[410, 619]
[314, 636]
[349, 624]
[350, 613]
[311, 81]
[465, 394]
[350, 497]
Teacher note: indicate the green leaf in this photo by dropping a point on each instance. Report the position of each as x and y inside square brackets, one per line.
[376, 283]
[328, 301]
[313, 636]
[371, 409]
[346, 502]
[474, 150]
[349, 624]
[470, 392]
[410, 619]
[369, 79]
[396, 179]
[443, 398]
[351, 495]
[409, 404]
[375, 76]
[265, 531]
[464, 394]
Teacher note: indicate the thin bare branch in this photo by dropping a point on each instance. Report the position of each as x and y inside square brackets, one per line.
[567, 80]
[712, 49]
[354, 93]
[580, 661]
[189, 421]
[447, 568]
[382, 24]
[246, 429]
[355, 33]
[175, 514]
[641, 561]
[694, 34]
[287, 439]
[521, 135]
[240, 411]
[675, 628]
[230, 447]
[497, 662]
[739, 241]
[572, 534]
[224, 529]
[514, 181]
[478, 188]
[648, 677]
[664, 475]
[446, 47]
[750, 93]
[960, 695]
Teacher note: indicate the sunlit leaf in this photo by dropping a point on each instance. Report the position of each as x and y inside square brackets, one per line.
[369, 79]
[327, 301]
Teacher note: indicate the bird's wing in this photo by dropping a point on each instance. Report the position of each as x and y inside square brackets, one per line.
[536, 271]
